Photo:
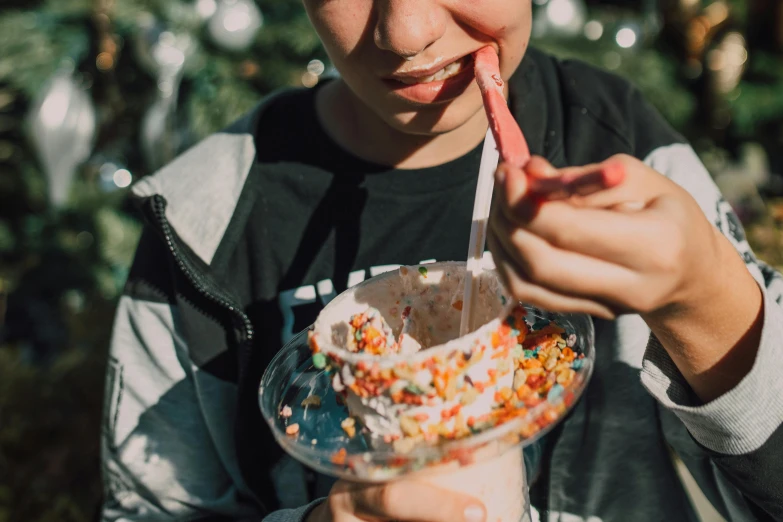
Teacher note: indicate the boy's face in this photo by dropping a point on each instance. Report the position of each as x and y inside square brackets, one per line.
[409, 60]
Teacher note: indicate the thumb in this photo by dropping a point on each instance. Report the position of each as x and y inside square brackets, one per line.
[512, 184]
[539, 167]
[544, 180]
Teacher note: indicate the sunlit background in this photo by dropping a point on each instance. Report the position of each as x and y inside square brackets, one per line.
[95, 94]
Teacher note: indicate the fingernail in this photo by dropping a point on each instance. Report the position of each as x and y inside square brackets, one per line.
[474, 513]
[614, 173]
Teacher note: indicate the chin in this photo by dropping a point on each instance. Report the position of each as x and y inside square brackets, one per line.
[435, 121]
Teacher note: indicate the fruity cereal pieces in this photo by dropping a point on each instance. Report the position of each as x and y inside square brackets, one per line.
[369, 333]
[319, 360]
[529, 370]
[340, 456]
[349, 426]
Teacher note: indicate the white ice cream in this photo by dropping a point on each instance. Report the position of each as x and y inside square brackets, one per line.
[434, 294]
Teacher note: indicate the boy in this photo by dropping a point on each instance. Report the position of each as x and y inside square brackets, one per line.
[253, 230]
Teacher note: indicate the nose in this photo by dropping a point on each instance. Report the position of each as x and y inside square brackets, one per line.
[407, 27]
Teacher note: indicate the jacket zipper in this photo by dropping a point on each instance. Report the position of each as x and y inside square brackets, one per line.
[221, 299]
[216, 296]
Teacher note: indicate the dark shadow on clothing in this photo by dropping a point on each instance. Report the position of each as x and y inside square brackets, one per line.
[613, 463]
[177, 440]
[331, 216]
[332, 220]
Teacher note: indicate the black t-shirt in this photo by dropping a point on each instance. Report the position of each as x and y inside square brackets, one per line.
[319, 219]
[325, 219]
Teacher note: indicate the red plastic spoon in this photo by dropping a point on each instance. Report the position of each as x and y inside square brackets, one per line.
[513, 146]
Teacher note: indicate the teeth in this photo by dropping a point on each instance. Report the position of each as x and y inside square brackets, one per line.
[447, 72]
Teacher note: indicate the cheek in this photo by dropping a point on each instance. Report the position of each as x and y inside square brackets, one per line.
[493, 18]
[506, 23]
[341, 24]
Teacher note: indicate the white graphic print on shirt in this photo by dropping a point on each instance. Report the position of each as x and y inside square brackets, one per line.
[323, 292]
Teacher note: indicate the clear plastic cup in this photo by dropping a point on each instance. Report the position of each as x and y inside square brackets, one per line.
[499, 481]
[488, 464]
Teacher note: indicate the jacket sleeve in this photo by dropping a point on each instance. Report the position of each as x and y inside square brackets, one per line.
[160, 460]
[735, 443]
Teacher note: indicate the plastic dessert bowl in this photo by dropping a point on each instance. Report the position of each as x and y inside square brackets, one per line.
[308, 417]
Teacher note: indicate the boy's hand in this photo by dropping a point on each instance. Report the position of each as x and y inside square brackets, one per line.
[643, 246]
[403, 500]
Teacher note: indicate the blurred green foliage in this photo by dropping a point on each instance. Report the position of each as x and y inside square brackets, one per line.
[61, 272]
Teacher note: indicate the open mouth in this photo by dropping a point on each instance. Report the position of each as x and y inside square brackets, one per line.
[450, 71]
[427, 87]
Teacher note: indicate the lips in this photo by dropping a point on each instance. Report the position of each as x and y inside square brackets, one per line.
[433, 74]
[433, 86]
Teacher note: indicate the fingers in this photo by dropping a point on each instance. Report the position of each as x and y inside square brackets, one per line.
[588, 252]
[618, 234]
[617, 181]
[560, 270]
[554, 184]
[410, 500]
[640, 185]
[537, 295]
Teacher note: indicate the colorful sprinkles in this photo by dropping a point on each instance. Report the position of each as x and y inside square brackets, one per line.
[349, 426]
[539, 360]
[369, 333]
